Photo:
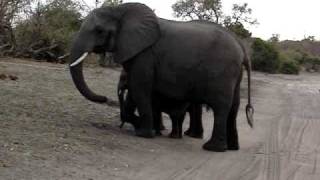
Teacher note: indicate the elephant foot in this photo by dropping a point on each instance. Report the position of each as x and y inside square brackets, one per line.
[215, 146]
[193, 134]
[175, 135]
[233, 141]
[233, 146]
[145, 133]
[158, 133]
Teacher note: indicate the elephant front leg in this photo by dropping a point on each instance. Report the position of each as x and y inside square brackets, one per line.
[143, 102]
[140, 73]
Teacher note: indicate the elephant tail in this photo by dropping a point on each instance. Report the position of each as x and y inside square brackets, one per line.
[249, 107]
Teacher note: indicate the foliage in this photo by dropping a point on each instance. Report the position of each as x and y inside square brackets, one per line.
[50, 25]
[9, 9]
[210, 10]
[289, 67]
[241, 14]
[311, 60]
[239, 30]
[275, 38]
[112, 2]
[289, 62]
[265, 56]
[310, 38]
[302, 58]
[311, 63]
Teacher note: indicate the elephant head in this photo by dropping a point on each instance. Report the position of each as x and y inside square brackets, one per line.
[125, 30]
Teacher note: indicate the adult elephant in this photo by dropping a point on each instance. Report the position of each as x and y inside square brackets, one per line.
[197, 61]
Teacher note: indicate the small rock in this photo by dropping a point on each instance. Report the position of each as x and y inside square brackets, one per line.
[2, 164]
[13, 78]
[3, 76]
[65, 135]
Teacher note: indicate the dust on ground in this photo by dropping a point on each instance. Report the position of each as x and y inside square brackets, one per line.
[49, 131]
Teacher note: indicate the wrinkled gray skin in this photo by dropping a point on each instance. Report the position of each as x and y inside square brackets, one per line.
[176, 111]
[197, 62]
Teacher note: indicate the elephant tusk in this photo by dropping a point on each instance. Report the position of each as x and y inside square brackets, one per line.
[80, 59]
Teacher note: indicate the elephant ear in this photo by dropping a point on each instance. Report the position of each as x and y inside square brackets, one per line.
[139, 29]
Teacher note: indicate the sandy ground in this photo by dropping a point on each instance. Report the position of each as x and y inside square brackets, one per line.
[48, 131]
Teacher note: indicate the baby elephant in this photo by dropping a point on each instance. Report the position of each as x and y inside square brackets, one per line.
[175, 109]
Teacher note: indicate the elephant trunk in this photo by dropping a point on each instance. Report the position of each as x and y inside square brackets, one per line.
[78, 79]
[80, 49]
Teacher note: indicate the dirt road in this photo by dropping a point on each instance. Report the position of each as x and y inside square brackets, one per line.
[49, 131]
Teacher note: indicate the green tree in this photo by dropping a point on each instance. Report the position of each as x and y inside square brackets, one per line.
[210, 10]
[310, 38]
[9, 10]
[47, 32]
[112, 2]
[265, 56]
[239, 30]
[241, 14]
[275, 38]
[289, 62]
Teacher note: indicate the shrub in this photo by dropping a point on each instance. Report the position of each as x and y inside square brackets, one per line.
[289, 67]
[265, 57]
[293, 55]
[290, 62]
[47, 32]
[311, 64]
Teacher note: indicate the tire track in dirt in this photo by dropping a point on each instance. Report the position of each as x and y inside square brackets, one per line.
[291, 150]
[301, 143]
[271, 112]
[272, 152]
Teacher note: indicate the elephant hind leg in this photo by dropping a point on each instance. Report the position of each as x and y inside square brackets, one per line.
[232, 132]
[221, 108]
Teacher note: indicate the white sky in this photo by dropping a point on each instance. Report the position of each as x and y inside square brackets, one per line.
[292, 19]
